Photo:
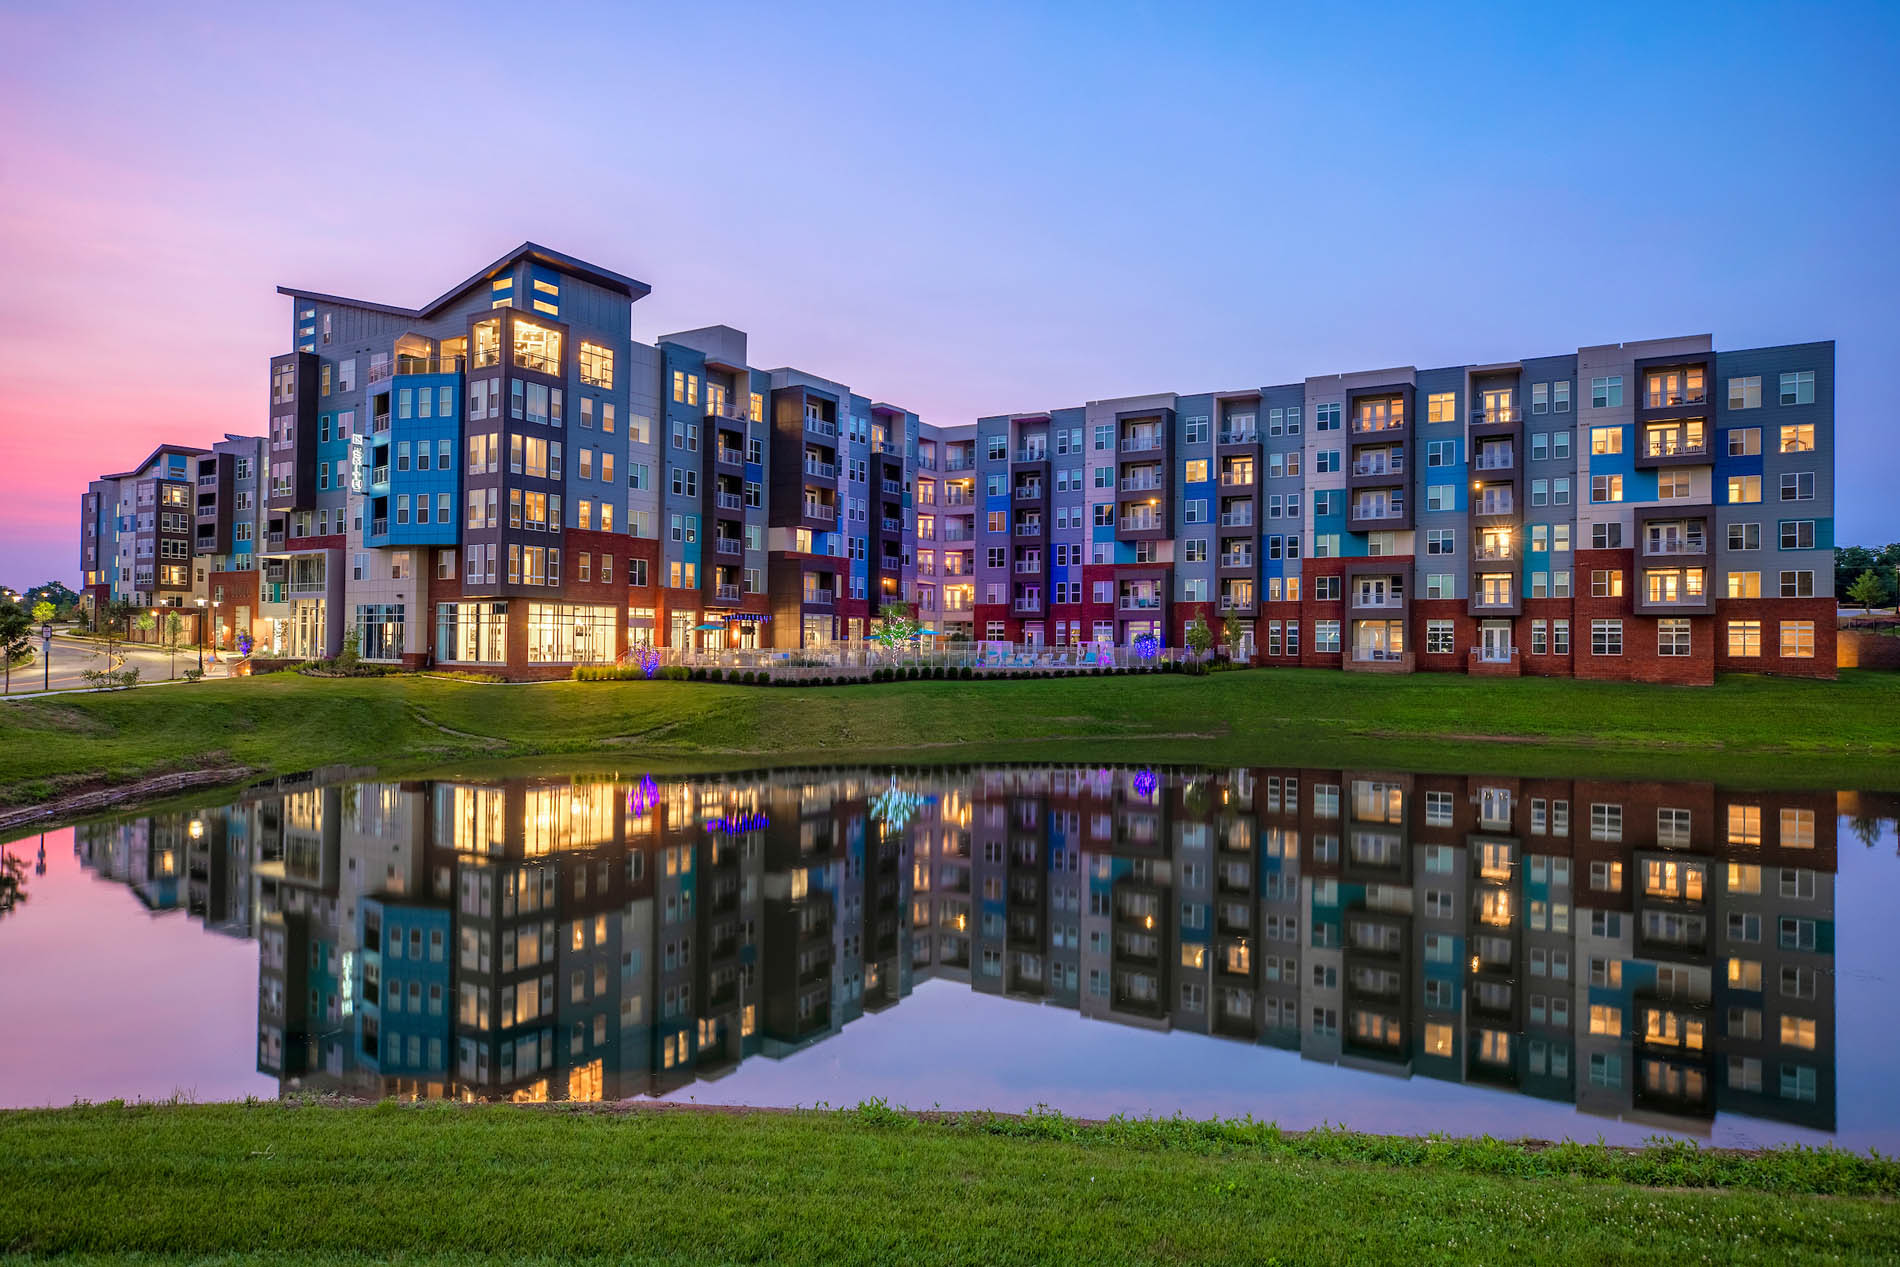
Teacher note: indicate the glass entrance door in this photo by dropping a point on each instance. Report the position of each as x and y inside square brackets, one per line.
[1495, 640]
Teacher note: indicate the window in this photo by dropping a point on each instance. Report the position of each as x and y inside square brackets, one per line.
[1797, 534]
[1797, 583]
[1606, 392]
[1540, 397]
[1606, 583]
[1439, 637]
[1606, 488]
[1744, 638]
[1442, 407]
[1798, 439]
[1672, 637]
[1744, 393]
[1797, 639]
[1606, 637]
[1744, 536]
[597, 365]
[1797, 486]
[1672, 485]
[1797, 388]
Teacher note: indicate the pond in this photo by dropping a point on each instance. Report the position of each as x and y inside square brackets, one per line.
[1396, 952]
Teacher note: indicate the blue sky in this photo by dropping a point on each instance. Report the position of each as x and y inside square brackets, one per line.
[966, 209]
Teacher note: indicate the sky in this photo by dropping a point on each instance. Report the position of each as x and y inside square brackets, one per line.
[966, 209]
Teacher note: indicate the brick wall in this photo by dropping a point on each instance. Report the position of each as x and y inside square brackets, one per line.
[1771, 612]
[1865, 649]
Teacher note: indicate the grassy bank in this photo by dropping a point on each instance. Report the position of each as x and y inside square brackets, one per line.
[457, 1183]
[1744, 729]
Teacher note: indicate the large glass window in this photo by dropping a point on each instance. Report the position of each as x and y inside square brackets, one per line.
[379, 631]
[562, 633]
[471, 633]
[537, 347]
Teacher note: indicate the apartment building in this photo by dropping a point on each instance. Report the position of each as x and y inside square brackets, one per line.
[505, 479]
[1649, 511]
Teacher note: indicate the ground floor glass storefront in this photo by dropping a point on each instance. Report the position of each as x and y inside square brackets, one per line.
[379, 630]
[565, 633]
[471, 633]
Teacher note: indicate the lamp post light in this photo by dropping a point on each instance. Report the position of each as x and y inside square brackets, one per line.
[201, 634]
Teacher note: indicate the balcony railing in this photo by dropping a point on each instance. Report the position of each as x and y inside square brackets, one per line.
[823, 470]
[958, 464]
[818, 598]
[1247, 436]
[1657, 446]
[890, 450]
[1666, 400]
[892, 488]
[1029, 604]
[1139, 523]
[208, 481]
[1379, 466]
[819, 427]
[1029, 492]
[729, 501]
[1032, 455]
[1495, 459]
[1235, 602]
[818, 510]
[1236, 519]
[1495, 417]
[1237, 479]
[1491, 552]
[730, 545]
[1033, 566]
[727, 593]
[1138, 603]
[377, 527]
[953, 498]
[379, 475]
[1677, 545]
[1494, 506]
[892, 525]
[1242, 559]
[729, 456]
[1388, 510]
[1492, 596]
[1141, 444]
[1026, 528]
[1140, 483]
[379, 424]
[1373, 426]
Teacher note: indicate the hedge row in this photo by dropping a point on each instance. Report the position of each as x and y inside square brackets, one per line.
[910, 673]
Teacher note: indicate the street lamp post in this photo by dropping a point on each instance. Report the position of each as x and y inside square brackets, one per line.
[201, 635]
[46, 656]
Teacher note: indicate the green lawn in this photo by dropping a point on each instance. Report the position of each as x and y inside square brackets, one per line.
[454, 1183]
[1744, 729]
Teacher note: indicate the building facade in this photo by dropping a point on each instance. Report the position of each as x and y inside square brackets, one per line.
[1648, 511]
[505, 480]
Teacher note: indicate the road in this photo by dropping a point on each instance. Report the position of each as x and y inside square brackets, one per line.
[73, 657]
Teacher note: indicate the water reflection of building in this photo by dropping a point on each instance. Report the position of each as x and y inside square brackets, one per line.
[1654, 951]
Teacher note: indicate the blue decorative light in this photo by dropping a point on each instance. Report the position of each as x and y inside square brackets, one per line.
[739, 826]
[1146, 781]
[895, 807]
[1147, 647]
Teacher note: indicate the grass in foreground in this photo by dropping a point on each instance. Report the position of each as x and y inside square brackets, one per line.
[1744, 729]
[873, 1185]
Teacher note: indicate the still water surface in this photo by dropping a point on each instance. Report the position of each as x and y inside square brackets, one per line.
[1396, 952]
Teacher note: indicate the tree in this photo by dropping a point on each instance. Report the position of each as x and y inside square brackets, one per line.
[1234, 630]
[1849, 563]
[117, 615]
[896, 626]
[55, 593]
[44, 611]
[171, 636]
[1199, 637]
[1869, 590]
[16, 632]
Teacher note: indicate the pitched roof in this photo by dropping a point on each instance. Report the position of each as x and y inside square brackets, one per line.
[539, 254]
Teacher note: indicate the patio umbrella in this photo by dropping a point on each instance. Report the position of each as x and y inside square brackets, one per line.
[710, 628]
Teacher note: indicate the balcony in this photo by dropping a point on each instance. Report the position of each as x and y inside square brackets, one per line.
[889, 450]
[730, 501]
[1500, 550]
[379, 527]
[822, 470]
[1237, 559]
[1674, 545]
[1029, 528]
[1245, 435]
[1236, 518]
[1379, 465]
[891, 525]
[1029, 566]
[817, 598]
[1032, 455]
[1030, 492]
[1029, 605]
[726, 456]
[379, 475]
[1494, 503]
[1139, 603]
[820, 427]
[892, 488]
[1377, 425]
[1236, 602]
[818, 510]
[379, 423]
[726, 593]
[952, 497]
[730, 545]
[1140, 483]
[1237, 478]
[958, 463]
[1504, 415]
[1378, 600]
[1141, 443]
[1140, 523]
[1495, 457]
[208, 481]
[1672, 446]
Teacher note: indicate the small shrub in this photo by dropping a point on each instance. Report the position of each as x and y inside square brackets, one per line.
[966, 673]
